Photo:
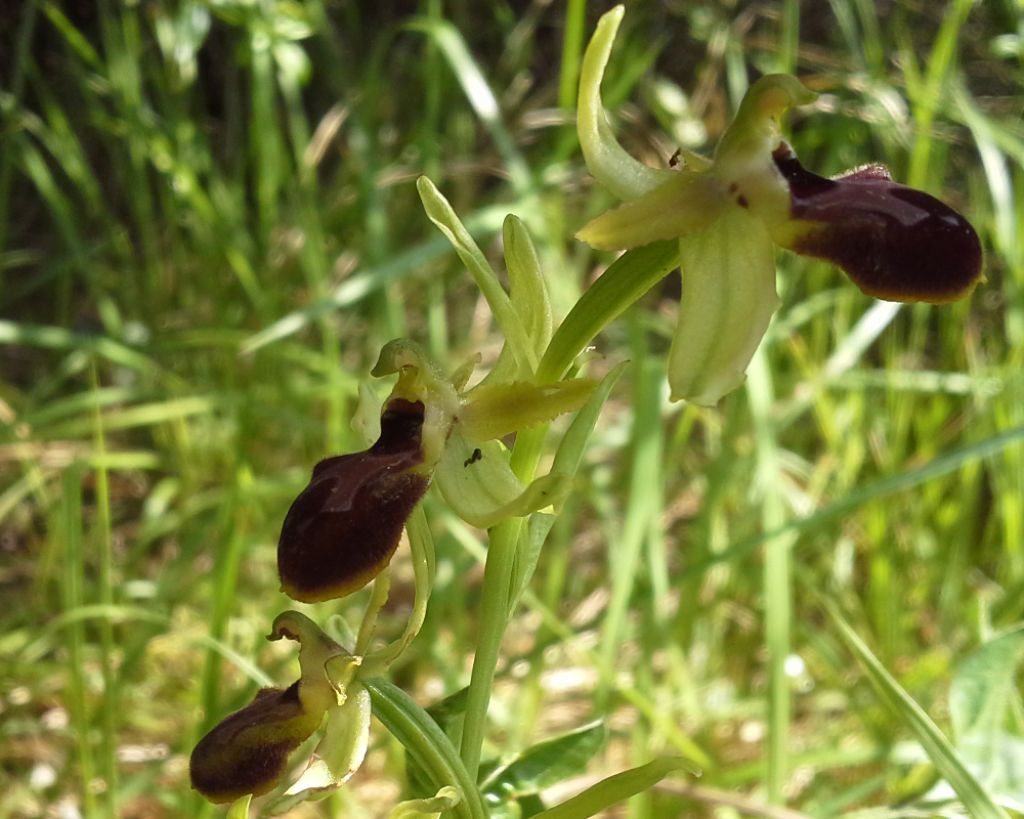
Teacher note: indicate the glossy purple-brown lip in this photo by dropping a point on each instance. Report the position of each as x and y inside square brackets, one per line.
[343, 528]
[895, 242]
[247, 751]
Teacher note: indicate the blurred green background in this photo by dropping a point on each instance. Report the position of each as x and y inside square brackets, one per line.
[208, 228]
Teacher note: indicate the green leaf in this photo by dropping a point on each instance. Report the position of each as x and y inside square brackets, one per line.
[983, 698]
[426, 744]
[526, 283]
[948, 763]
[984, 687]
[616, 788]
[624, 281]
[529, 294]
[547, 763]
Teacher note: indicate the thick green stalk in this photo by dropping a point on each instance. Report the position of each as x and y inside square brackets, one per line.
[778, 579]
[627, 279]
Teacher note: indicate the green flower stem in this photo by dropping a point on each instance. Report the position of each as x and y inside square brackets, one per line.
[627, 279]
[427, 743]
[494, 609]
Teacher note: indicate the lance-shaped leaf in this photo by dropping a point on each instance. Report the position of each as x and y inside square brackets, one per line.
[247, 752]
[529, 296]
[895, 242]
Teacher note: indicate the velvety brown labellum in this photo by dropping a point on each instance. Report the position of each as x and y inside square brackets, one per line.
[345, 526]
[248, 751]
[895, 242]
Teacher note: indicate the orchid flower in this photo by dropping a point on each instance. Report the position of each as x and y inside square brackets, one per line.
[344, 527]
[248, 752]
[895, 242]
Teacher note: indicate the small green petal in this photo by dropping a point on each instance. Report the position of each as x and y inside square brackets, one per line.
[606, 160]
[728, 298]
[495, 410]
[686, 203]
[480, 487]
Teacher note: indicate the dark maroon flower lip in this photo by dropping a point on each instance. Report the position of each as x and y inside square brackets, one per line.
[247, 751]
[894, 242]
[344, 527]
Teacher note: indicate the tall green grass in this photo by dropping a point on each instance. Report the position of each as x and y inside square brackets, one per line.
[208, 227]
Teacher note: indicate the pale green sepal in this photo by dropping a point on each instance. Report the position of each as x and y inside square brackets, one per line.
[445, 799]
[240, 808]
[338, 755]
[480, 487]
[728, 298]
[422, 552]
[616, 788]
[607, 161]
[686, 203]
[529, 295]
[756, 127]
[495, 410]
[443, 216]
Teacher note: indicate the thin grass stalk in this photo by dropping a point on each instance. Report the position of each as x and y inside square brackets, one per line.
[72, 598]
[103, 537]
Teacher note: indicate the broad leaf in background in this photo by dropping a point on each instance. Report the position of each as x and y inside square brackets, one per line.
[618, 787]
[544, 765]
[988, 717]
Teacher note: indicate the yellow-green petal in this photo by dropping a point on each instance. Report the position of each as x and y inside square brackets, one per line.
[496, 410]
[686, 203]
[728, 298]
